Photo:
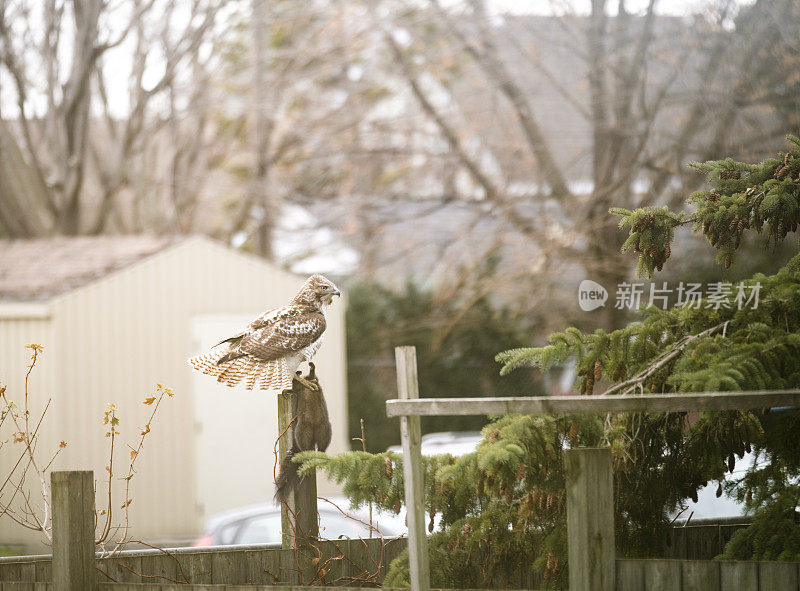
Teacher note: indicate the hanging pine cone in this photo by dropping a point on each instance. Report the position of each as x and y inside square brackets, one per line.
[731, 462]
[719, 490]
[388, 468]
[667, 251]
[728, 260]
[530, 499]
[589, 385]
[397, 506]
[493, 435]
[598, 370]
[573, 431]
[520, 471]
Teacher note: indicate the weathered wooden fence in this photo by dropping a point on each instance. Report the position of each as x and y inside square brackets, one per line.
[590, 510]
[700, 541]
[74, 565]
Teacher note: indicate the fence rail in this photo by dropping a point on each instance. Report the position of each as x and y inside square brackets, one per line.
[700, 401]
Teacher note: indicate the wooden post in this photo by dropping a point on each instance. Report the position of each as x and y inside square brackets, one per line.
[304, 500]
[590, 519]
[73, 531]
[411, 436]
[284, 418]
[299, 518]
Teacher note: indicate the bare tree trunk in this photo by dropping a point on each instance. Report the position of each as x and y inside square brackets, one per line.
[259, 185]
[77, 99]
[23, 196]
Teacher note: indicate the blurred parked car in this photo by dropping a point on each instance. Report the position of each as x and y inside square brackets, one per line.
[455, 443]
[261, 524]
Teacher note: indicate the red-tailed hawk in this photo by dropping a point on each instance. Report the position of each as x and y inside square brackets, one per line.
[266, 354]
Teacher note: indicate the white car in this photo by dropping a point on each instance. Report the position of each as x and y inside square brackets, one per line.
[455, 443]
[261, 524]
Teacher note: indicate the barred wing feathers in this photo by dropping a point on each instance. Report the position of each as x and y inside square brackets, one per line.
[291, 333]
[266, 355]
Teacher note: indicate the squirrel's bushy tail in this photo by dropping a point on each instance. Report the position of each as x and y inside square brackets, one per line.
[288, 478]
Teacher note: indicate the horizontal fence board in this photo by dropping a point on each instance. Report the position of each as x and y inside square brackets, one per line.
[738, 575]
[700, 575]
[159, 568]
[662, 575]
[362, 563]
[228, 567]
[777, 575]
[43, 571]
[198, 567]
[630, 575]
[344, 560]
[18, 586]
[699, 401]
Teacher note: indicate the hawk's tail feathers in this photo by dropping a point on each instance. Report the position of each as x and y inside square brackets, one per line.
[251, 372]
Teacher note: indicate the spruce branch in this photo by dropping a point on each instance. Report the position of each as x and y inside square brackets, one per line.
[661, 361]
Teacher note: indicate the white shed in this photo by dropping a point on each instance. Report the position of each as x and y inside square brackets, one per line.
[117, 315]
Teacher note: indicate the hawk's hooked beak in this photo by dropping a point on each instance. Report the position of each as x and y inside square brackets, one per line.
[336, 292]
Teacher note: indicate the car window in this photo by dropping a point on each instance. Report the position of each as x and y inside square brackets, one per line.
[262, 529]
[337, 526]
[227, 533]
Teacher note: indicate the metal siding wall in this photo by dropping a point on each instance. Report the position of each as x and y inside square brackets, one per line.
[114, 339]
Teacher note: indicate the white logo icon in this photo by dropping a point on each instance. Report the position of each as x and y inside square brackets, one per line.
[591, 295]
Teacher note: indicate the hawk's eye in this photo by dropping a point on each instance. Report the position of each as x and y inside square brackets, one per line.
[325, 288]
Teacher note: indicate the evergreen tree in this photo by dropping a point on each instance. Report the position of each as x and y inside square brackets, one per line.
[503, 513]
[453, 342]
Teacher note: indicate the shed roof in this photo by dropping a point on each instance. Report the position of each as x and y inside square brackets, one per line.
[37, 270]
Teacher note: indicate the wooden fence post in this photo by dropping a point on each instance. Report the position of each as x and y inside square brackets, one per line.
[73, 531]
[411, 436]
[590, 519]
[299, 517]
[284, 419]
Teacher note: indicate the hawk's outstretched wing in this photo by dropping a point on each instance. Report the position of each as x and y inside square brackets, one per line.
[267, 352]
[286, 335]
